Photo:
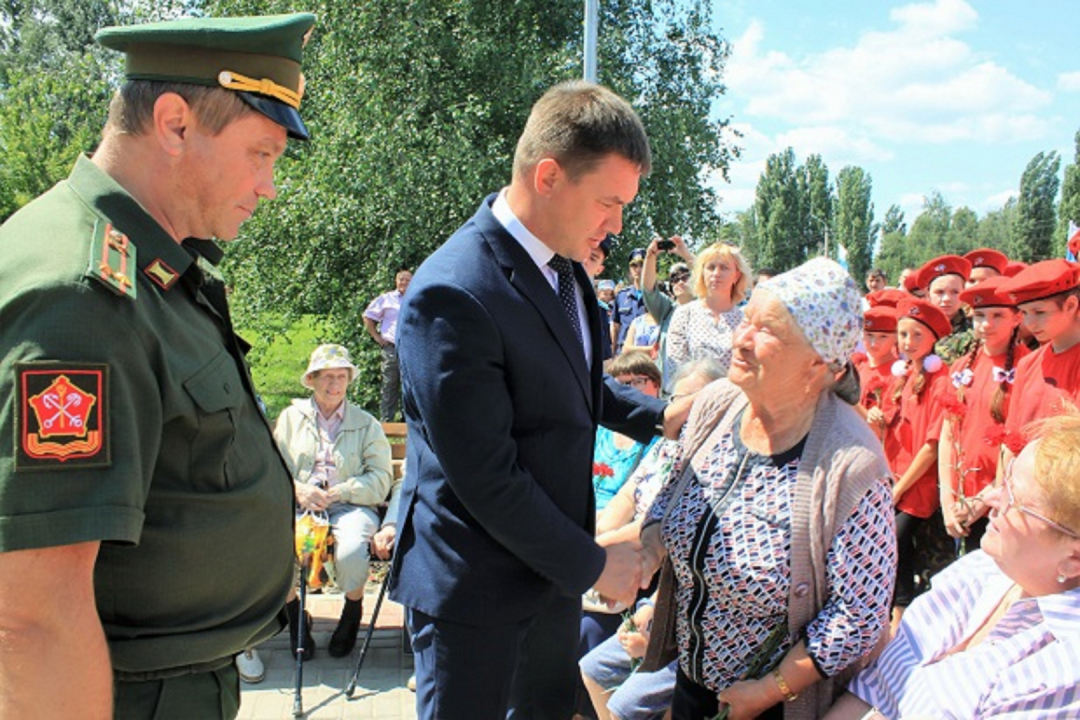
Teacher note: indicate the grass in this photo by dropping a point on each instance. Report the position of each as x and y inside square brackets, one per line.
[279, 362]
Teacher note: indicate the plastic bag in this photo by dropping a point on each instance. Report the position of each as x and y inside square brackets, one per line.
[313, 543]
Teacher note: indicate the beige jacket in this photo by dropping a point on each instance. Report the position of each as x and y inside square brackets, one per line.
[361, 452]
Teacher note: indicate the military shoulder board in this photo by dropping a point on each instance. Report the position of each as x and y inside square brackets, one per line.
[112, 259]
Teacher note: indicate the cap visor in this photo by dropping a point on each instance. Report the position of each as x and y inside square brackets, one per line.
[285, 116]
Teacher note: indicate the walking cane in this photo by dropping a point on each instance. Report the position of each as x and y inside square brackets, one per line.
[298, 702]
[351, 687]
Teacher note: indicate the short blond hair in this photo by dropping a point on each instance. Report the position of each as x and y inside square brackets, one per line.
[1057, 466]
[131, 110]
[732, 255]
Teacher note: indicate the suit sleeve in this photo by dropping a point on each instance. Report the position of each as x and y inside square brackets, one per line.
[632, 413]
[453, 366]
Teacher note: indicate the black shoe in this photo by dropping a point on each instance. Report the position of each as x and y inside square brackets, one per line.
[343, 640]
[292, 609]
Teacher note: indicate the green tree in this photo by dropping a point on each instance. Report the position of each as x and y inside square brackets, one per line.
[1037, 217]
[929, 233]
[1069, 208]
[894, 221]
[855, 228]
[997, 228]
[962, 236]
[778, 207]
[815, 204]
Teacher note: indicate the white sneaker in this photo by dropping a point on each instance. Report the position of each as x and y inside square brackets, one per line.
[250, 666]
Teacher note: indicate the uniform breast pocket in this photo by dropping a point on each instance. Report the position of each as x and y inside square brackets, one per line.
[217, 393]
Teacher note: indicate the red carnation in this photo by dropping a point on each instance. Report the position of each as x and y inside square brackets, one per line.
[602, 470]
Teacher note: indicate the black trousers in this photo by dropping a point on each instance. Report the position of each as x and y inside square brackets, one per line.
[520, 670]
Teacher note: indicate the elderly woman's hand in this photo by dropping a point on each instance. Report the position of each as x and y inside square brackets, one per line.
[311, 497]
[382, 542]
[875, 417]
[956, 516]
[749, 698]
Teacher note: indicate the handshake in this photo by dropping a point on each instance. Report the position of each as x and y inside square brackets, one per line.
[628, 568]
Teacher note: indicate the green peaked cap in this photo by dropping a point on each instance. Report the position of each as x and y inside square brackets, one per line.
[257, 57]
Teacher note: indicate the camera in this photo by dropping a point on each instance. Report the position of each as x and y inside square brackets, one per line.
[665, 244]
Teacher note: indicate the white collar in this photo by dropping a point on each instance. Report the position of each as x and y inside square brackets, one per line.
[540, 253]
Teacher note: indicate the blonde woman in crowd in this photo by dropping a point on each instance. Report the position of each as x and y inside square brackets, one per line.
[704, 327]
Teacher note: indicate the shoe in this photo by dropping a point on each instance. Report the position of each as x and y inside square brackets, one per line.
[292, 609]
[343, 640]
[411, 684]
[250, 666]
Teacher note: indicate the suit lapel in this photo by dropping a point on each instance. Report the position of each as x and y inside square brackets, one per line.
[531, 283]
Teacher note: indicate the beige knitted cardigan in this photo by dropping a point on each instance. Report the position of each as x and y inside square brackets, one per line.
[840, 462]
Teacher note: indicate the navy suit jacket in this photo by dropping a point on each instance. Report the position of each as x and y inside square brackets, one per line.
[497, 509]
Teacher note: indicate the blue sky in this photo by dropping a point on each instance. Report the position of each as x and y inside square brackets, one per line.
[942, 95]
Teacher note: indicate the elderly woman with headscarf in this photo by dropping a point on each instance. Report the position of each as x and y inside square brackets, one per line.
[340, 463]
[998, 634]
[778, 516]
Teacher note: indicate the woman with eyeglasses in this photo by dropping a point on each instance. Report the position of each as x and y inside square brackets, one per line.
[999, 631]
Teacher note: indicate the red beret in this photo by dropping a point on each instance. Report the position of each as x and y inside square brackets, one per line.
[922, 311]
[1014, 267]
[888, 297]
[911, 281]
[987, 294]
[988, 257]
[944, 265]
[1042, 280]
[880, 319]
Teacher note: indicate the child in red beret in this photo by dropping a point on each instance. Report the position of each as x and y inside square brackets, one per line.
[1047, 380]
[985, 264]
[874, 365]
[944, 278]
[922, 379]
[975, 411]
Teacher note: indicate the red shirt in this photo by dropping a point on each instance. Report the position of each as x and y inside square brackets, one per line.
[977, 436]
[1046, 382]
[920, 423]
[877, 385]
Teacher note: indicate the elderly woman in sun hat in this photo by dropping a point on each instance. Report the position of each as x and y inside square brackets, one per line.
[340, 463]
[778, 517]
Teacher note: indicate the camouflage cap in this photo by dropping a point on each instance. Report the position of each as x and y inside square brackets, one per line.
[257, 57]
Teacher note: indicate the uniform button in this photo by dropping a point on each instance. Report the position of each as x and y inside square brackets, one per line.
[801, 589]
[228, 388]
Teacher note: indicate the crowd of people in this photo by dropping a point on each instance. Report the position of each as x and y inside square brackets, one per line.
[803, 501]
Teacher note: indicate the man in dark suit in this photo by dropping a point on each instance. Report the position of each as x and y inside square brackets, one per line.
[502, 394]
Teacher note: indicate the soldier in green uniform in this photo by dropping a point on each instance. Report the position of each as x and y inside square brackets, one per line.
[145, 514]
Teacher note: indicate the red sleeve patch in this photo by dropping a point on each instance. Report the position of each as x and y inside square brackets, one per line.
[63, 419]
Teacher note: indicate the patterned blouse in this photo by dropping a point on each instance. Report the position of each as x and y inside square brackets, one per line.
[729, 538]
[695, 333]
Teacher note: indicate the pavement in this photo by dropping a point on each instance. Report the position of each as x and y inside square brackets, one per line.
[380, 691]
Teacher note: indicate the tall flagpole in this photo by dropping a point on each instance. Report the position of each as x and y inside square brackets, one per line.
[591, 13]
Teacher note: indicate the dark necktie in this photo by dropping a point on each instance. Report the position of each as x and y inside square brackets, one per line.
[567, 296]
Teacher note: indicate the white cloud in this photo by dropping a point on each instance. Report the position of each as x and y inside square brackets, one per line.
[1069, 82]
[998, 200]
[915, 82]
[832, 142]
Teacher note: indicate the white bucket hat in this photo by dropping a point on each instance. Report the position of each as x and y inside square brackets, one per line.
[327, 357]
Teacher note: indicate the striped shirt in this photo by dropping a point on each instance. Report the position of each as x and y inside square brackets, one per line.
[1028, 666]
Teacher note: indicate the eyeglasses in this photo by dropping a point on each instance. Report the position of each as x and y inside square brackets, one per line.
[1011, 501]
[637, 381]
[679, 278]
